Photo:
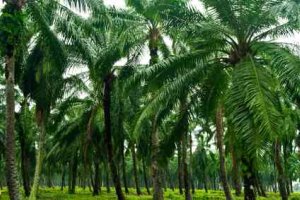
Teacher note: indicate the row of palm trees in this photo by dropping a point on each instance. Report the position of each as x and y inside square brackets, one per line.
[224, 71]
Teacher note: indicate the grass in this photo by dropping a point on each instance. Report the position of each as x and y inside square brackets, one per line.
[56, 194]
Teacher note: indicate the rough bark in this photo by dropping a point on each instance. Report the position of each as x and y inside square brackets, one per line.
[10, 153]
[39, 155]
[108, 136]
[135, 170]
[156, 175]
[220, 133]
[156, 181]
[153, 45]
[13, 8]
[280, 170]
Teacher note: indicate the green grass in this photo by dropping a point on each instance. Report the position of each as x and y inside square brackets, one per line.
[56, 194]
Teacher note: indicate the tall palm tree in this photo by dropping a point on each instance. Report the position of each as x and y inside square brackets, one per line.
[105, 48]
[230, 44]
[12, 29]
[157, 18]
[40, 78]
[11, 21]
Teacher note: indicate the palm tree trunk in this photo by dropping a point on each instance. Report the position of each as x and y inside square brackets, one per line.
[156, 181]
[260, 186]
[220, 130]
[170, 179]
[70, 177]
[74, 173]
[108, 136]
[39, 156]
[96, 184]
[249, 187]
[25, 160]
[107, 181]
[49, 177]
[235, 173]
[10, 153]
[179, 167]
[185, 168]
[286, 155]
[191, 164]
[63, 179]
[100, 179]
[183, 123]
[12, 9]
[135, 171]
[249, 179]
[156, 175]
[280, 170]
[145, 177]
[124, 168]
[205, 182]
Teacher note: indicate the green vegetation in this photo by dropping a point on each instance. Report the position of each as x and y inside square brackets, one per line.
[158, 100]
[56, 194]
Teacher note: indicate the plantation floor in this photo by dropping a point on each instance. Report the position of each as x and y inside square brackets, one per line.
[56, 194]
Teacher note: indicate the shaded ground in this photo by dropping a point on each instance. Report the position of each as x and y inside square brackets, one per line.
[56, 194]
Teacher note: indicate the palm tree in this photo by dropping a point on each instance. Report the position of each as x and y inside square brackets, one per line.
[229, 45]
[12, 29]
[219, 138]
[157, 18]
[100, 55]
[11, 21]
[25, 129]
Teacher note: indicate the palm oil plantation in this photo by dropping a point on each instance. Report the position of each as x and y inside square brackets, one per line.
[149, 99]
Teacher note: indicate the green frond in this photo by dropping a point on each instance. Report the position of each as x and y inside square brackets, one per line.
[168, 68]
[284, 62]
[224, 10]
[171, 90]
[138, 5]
[253, 105]
[285, 29]
[50, 40]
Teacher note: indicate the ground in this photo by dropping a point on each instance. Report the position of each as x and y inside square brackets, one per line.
[56, 194]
